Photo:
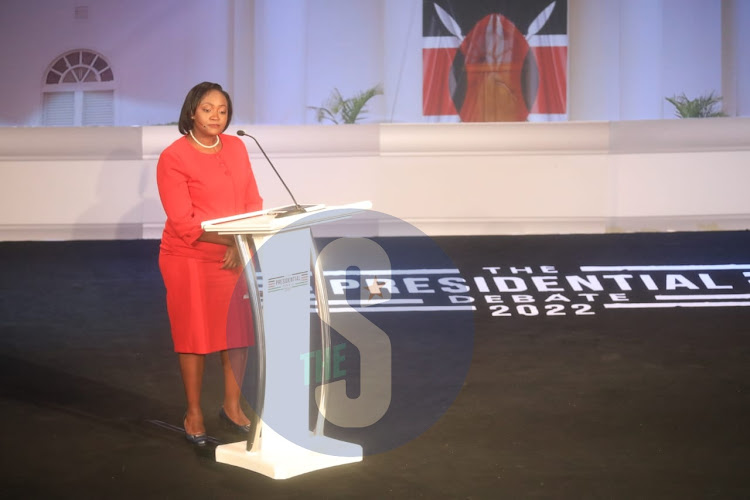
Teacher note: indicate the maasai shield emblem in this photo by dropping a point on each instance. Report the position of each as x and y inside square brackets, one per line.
[501, 60]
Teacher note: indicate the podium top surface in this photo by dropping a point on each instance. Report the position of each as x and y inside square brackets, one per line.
[266, 222]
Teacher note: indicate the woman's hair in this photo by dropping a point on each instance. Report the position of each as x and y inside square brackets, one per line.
[193, 99]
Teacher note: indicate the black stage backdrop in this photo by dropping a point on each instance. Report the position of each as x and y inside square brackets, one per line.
[604, 366]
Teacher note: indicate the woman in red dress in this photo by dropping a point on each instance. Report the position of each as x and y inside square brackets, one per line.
[204, 175]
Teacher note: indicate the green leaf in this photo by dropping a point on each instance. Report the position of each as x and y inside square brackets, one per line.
[700, 107]
[337, 109]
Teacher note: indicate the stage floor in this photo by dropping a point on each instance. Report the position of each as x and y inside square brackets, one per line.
[603, 366]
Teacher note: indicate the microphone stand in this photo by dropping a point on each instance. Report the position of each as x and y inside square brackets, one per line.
[285, 211]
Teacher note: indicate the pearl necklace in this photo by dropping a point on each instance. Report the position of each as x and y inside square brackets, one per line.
[203, 145]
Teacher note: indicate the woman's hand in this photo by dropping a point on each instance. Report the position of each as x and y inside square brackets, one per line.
[231, 258]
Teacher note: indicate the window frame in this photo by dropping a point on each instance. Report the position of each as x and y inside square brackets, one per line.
[80, 87]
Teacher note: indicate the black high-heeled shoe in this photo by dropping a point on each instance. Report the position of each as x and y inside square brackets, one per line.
[242, 429]
[196, 439]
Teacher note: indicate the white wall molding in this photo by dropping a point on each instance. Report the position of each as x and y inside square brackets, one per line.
[70, 143]
[445, 179]
[293, 141]
[675, 136]
[476, 139]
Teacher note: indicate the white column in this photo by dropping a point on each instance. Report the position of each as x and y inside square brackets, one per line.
[593, 55]
[729, 56]
[641, 38]
[403, 51]
[735, 57]
[743, 57]
[280, 61]
[692, 49]
[241, 59]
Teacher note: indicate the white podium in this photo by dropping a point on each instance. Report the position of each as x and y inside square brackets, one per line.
[281, 443]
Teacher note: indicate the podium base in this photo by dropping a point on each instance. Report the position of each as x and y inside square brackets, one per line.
[287, 461]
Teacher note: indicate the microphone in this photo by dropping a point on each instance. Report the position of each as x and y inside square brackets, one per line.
[291, 209]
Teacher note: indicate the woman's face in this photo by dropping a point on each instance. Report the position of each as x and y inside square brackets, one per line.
[210, 118]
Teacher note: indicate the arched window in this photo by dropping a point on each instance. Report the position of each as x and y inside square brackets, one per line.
[78, 90]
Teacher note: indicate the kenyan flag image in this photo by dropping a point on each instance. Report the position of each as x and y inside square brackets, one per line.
[495, 60]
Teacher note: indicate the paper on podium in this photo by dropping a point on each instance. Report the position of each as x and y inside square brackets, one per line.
[266, 222]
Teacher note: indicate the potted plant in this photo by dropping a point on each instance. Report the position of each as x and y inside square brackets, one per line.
[700, 107]
[338, 109]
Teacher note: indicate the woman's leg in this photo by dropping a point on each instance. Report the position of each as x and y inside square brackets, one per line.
[233, 363]
[191, 367]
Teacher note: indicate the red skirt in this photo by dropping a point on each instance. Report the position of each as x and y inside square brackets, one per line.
[209, 309]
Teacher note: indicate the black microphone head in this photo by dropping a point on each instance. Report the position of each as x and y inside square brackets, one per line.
[241, 132]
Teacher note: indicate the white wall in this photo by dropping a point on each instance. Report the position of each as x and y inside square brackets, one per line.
[280, 56]
[504, 178]
[157, 51]
[345, 50]
[627, 56]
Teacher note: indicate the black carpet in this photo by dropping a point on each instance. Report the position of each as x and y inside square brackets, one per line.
[639, 389]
